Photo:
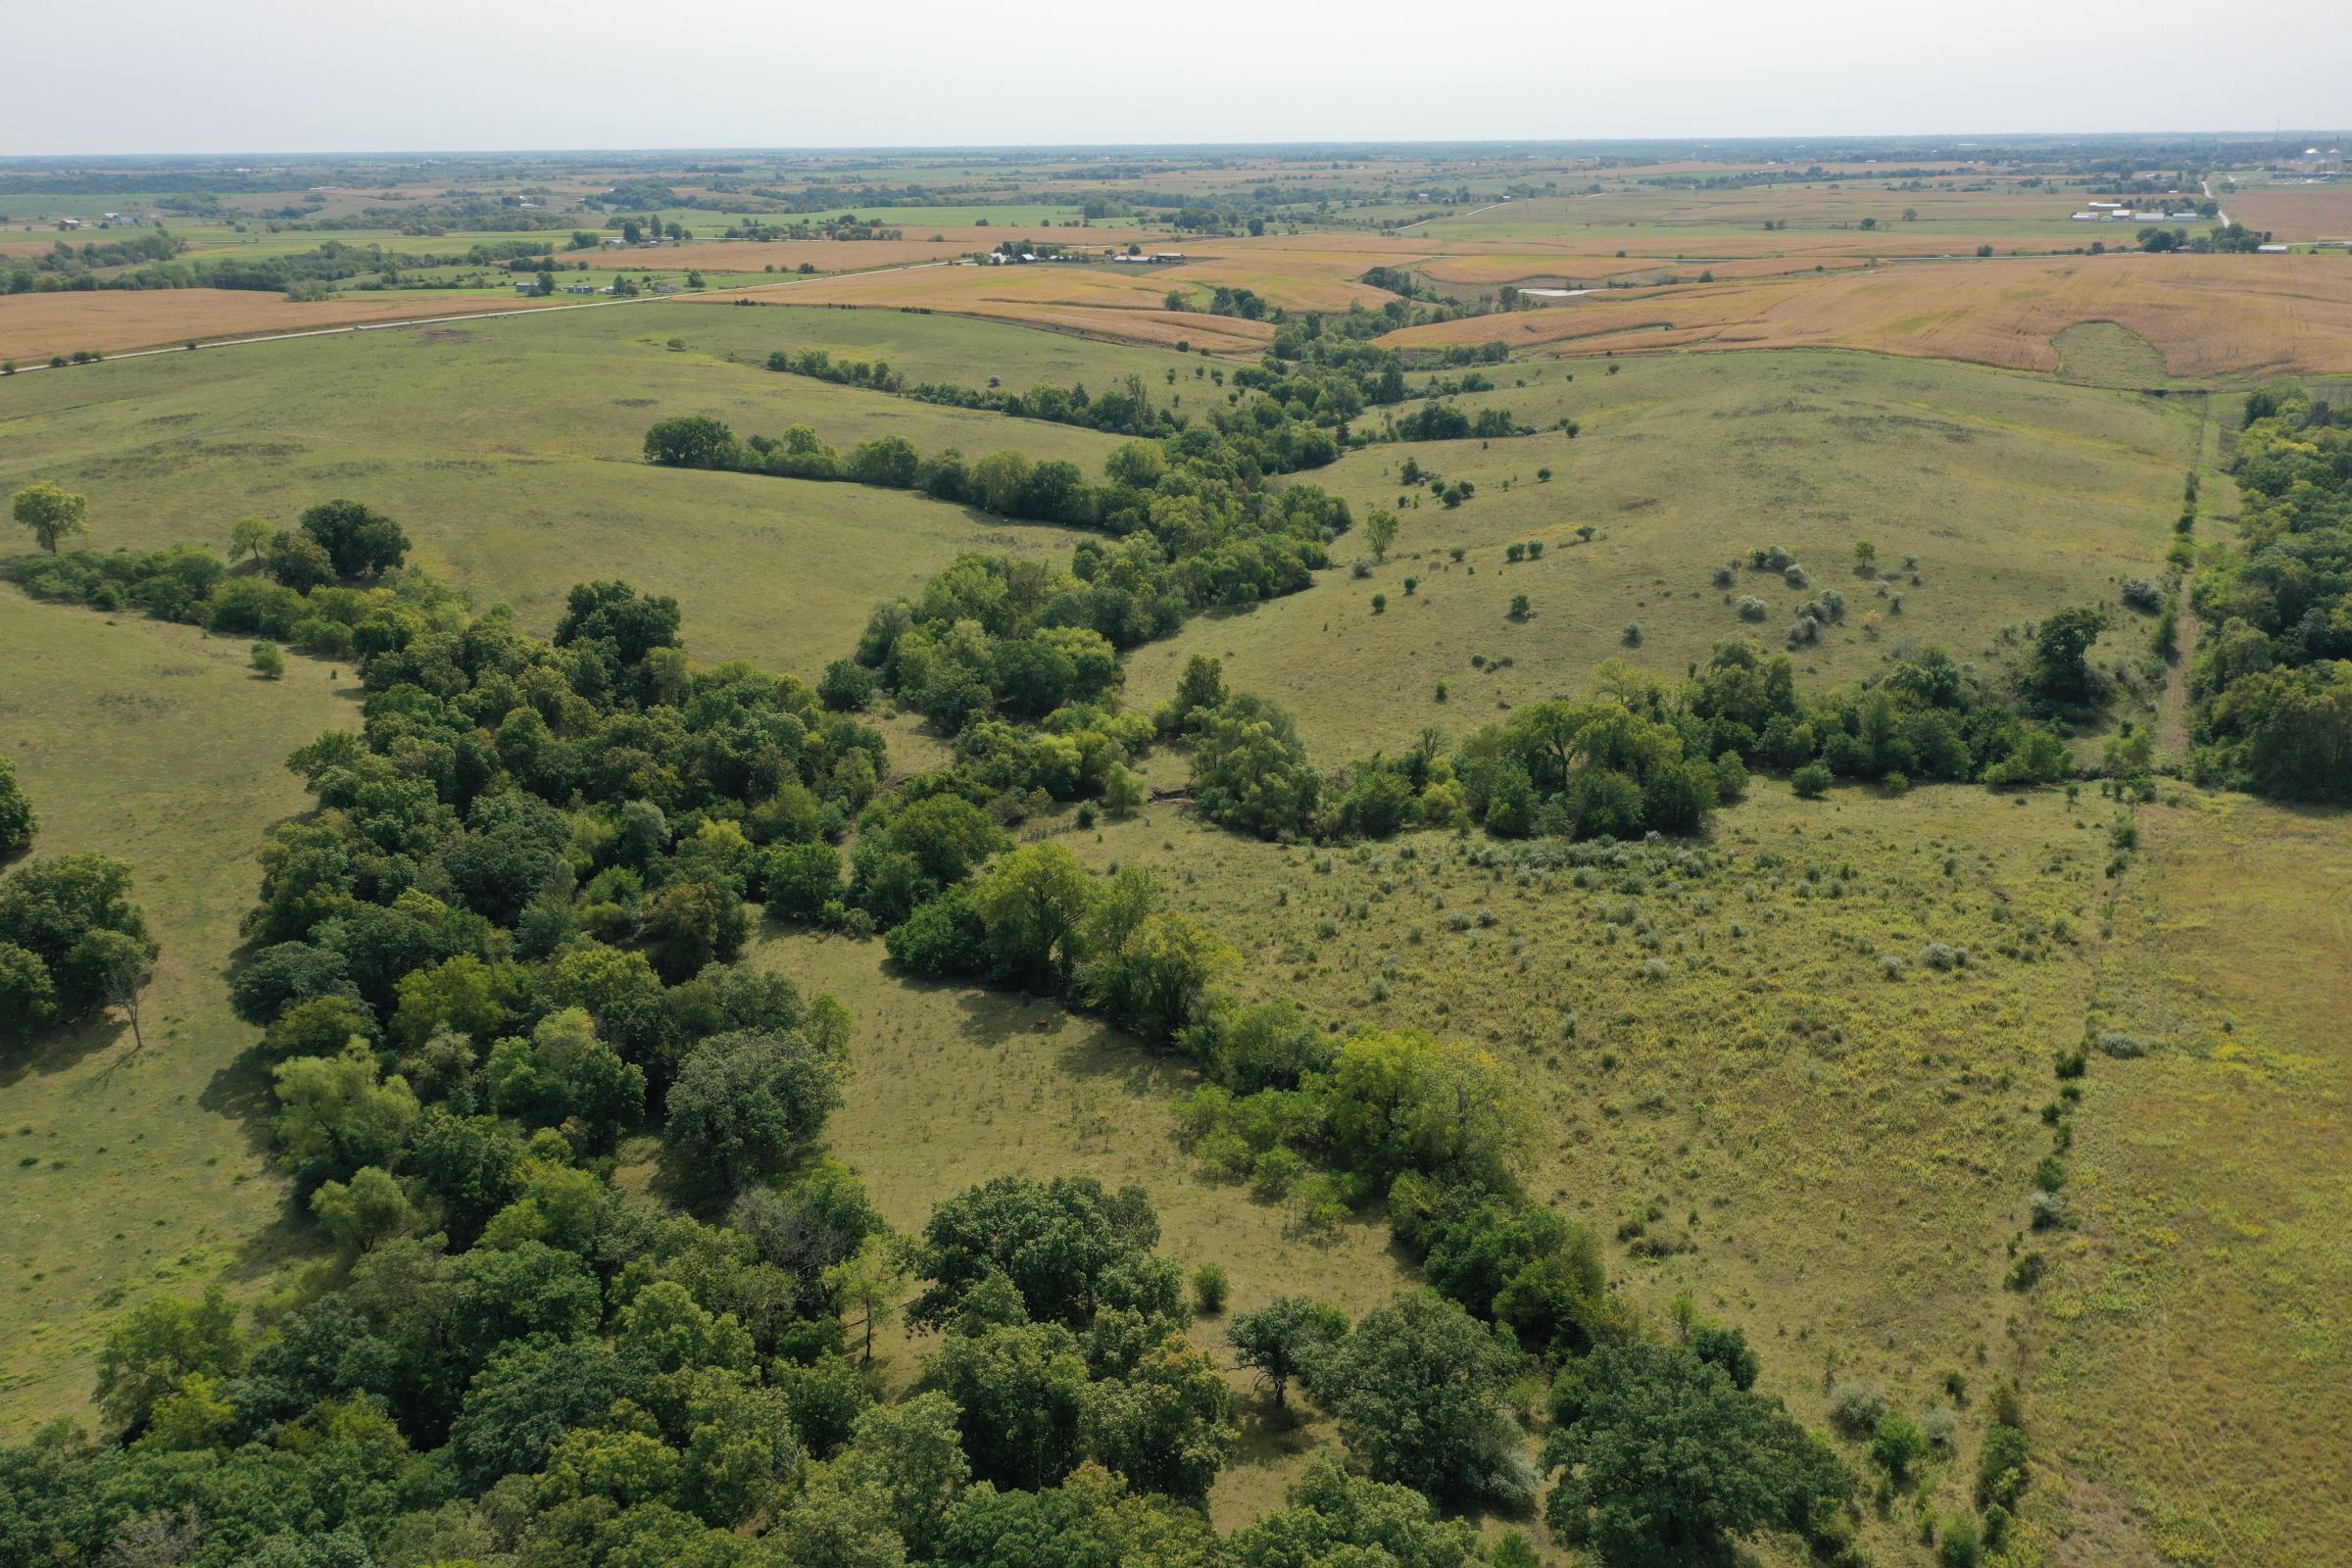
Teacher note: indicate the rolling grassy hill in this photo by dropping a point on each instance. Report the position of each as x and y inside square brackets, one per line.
[2019, 495]
[510, 451]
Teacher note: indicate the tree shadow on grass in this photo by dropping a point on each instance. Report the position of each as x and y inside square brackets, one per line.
[1270, 1436]
[1084, 1047]
[687, 1187]
[241, 1091]
[287, 1242]
[57, 1049]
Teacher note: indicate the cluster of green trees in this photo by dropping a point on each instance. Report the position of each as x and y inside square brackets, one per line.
[452, 215]
[508, 938]
[19, 821]
[302, 586]
[1238, 452]
[72, 941]
[67, 265]
[2234, 238]
[1643, 755]
[1442, 421]
[2271, 680]
[1925, 717]
[647, 1390]
[1308, 378]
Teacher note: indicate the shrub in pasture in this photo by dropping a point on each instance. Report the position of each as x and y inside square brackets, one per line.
[1856, 1406]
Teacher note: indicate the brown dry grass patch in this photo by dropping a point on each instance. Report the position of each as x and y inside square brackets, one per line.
[1294, 278]
[34, 327]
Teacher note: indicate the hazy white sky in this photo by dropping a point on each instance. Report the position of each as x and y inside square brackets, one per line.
[294, 76]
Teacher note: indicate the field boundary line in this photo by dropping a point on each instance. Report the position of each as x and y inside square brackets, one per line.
[353, 328]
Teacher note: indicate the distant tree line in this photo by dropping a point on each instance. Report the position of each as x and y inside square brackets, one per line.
[334, 261]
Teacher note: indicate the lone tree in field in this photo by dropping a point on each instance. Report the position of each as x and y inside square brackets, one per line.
[1380, 532]
[2060, 669]
[52, 513]
[1281, 1339]
[248, 536]
[123, 964]
[694, 441]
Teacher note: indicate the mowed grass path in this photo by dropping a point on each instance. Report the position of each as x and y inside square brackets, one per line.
[131, 1171]
[2019, 495]
[2195, 1347]
[510, 450]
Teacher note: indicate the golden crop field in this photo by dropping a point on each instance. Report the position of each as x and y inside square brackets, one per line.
[2296, 212]
[34, 327]
[1093, 301]
[1292, 276]
[2205, 315]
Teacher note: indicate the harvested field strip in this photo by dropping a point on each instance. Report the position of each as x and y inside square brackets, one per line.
[2296, 212]
[2206, 315]
[34, 327]
[1519, 268]
[1070, 299]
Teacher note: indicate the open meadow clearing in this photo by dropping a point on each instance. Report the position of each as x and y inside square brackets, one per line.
[1832, 1160]
[132, 1170]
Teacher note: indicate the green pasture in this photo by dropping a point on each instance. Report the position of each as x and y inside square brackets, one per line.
[136, 1170]
[2017, 494]
[509, 449]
